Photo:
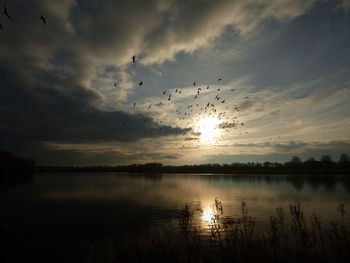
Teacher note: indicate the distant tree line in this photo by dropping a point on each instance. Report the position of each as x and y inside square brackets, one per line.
[15, 170]
[311, 166]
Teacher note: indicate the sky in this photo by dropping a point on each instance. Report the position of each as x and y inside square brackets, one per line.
[222, 81]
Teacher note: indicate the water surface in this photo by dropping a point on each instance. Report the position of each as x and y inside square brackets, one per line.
[58, 209]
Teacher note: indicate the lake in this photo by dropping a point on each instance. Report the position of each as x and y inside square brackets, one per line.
[68, 210]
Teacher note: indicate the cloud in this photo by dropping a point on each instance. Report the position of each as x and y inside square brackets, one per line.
[283, 152]
[194, 24]
[290, 146]
[345, 4]
[57, 81]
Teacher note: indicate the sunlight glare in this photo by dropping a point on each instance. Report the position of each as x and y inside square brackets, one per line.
[207, 126]
[207, 215]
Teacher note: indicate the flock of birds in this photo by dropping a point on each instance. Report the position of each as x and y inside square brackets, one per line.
[6, 13]
[218, 108]
[210, 109]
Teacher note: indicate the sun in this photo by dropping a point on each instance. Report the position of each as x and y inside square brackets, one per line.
[207, 126]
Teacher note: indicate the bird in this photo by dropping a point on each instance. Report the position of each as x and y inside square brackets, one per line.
[43, 19]
[219, 79]
[5, 12]
[232, 89]
[134, 104]
[115, 84]
[150, 106]
[140, 84]
[208, 87]
[133, 59]
[164, 92]
[194, 83]
[218, 89]
[176, 90]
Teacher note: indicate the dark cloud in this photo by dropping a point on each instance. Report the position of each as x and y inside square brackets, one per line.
[89, 158]
[290, 146]
[45, 92]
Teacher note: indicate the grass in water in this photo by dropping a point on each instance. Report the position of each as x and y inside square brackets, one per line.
[290, 237]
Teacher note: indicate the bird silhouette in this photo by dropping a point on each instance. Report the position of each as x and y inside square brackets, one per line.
[194, 83]
[133, 59]
[164, 92]
[43, 19]
[134, 104]
[208, 87]
[6, 13]
[219, 79]
[140, 84]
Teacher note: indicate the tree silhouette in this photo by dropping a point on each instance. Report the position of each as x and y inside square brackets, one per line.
[294, 162]
[311, 161]
[326, 159]
[344, 158]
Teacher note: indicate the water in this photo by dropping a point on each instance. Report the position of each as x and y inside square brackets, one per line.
[67, 210]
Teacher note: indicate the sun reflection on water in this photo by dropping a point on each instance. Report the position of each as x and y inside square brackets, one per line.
[207, 215]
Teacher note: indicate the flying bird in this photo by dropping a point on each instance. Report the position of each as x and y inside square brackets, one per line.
[140, 84]
[43, 19]
[6, 13]
[133, 59]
